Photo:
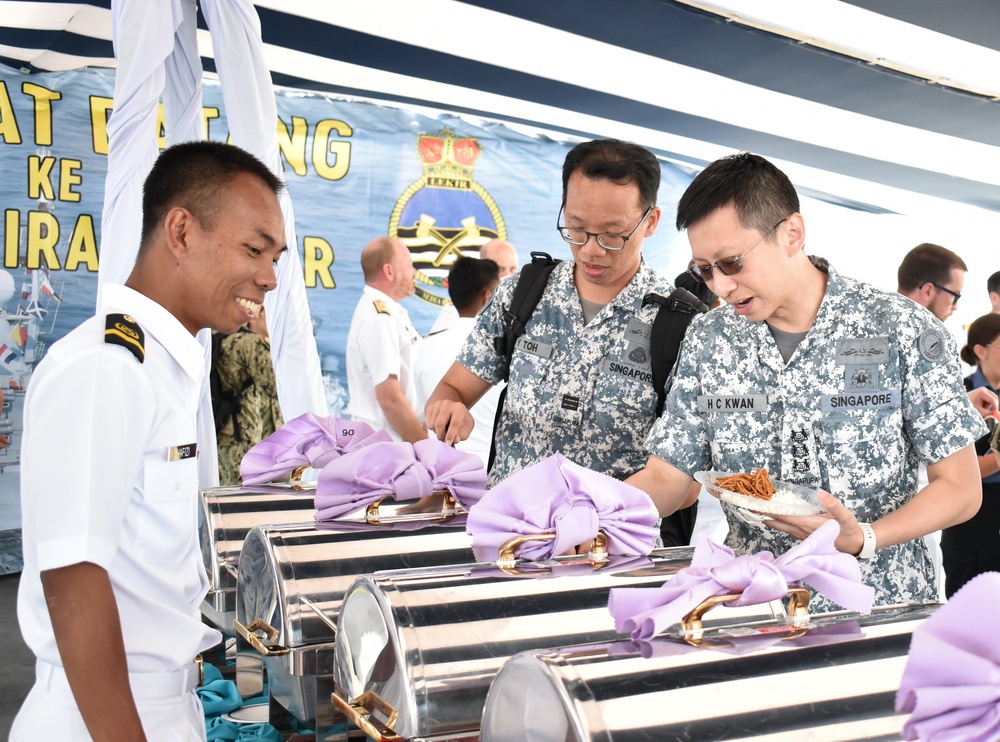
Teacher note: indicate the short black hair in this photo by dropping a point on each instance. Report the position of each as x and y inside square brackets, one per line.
[927, 263]
[617, 161]
[194, 175]
[468, 278]
[993, 283]
[761, 194]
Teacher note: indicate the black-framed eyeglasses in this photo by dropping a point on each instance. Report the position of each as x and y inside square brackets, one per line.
[955, 296]
[607, 240]
[727, 266]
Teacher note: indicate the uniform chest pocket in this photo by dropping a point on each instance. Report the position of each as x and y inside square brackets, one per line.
[529, 393]
[167, 521]
[863, 450]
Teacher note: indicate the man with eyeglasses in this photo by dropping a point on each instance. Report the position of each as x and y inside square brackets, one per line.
[933, 276]
[822, 380]
[580, 378]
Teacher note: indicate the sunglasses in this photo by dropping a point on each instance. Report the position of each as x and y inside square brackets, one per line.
[727, 266]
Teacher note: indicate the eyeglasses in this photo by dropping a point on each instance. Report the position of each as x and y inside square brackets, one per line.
[955, 296]
[607, 240]
[727, 266]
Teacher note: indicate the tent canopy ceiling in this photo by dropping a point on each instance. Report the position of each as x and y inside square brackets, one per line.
[863, 102]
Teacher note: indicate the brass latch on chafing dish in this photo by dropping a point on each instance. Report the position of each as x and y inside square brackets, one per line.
[359, 713]
[247, 632]
[447, 509]
[507, 556]
[693, 630]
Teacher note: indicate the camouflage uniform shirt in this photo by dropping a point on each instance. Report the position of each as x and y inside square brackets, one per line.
[245, 369]
[582, 390]
[874, 387]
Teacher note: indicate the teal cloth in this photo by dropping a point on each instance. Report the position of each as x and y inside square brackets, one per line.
[221, 730]
[220, 696]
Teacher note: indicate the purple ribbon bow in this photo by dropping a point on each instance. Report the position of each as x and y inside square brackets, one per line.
[398, 470]
[557, 496]
[951, 683]
[716, 570]
[308, 440]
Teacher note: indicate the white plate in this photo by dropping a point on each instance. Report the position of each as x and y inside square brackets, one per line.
[258, 713]
[802, 500]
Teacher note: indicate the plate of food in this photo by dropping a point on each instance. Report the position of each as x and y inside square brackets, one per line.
[757, 492]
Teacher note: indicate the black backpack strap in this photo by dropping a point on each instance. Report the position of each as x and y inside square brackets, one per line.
[530, 286]
[672, 320]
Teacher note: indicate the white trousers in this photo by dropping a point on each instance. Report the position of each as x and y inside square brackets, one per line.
[169, 708]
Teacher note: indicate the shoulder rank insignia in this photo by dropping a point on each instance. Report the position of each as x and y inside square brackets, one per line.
[121, 329]
[381, 307]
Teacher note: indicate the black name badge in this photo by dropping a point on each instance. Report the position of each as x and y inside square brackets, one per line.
[182, 452]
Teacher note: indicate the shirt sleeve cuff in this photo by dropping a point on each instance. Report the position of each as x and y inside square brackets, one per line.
[71, 550]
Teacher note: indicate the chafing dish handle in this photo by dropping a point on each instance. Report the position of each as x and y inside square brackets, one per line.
[449, 509]
[268, 650]
[359, 714]
[507, 556]
[691, 625]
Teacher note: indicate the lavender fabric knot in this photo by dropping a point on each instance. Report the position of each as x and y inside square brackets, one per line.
[308, 440]
[556, 496]
[951, 684]
[716, 570]
[398, 470]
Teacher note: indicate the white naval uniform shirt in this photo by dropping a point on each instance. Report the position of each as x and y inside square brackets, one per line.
[381, 343]
[98, 484]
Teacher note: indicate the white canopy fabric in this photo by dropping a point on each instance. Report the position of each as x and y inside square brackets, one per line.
[156, 49]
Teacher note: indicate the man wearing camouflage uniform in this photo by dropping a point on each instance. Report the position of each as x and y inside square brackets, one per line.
[246, 372]
[580, 379]
[821, 379]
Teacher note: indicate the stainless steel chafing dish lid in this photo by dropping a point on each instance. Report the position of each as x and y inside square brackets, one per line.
[836, 680]
[292, 578]
[421, 647]
[227, 514]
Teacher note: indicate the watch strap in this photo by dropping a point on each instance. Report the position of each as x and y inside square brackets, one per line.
[868, 549]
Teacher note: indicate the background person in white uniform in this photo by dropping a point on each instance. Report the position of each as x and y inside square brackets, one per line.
[471, 284]
[113, 576]
[500, 252]
[382, 344]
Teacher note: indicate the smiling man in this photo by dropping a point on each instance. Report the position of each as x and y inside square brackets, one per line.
[580, 381]
[113, 574]
[822, 380]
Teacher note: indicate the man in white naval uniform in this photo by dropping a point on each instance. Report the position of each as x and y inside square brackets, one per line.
[382, 344]
[113, 575]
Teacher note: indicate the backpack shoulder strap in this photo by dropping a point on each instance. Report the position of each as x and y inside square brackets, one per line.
[672, 319]
[527, 293]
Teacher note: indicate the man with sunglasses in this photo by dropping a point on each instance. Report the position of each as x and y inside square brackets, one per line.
[822, 380]
[580, 376]
[933, 276]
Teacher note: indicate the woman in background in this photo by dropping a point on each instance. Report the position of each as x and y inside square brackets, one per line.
[973, 547]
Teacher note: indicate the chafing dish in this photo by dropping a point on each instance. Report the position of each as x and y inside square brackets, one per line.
[833, 679]
[226, 515]
[289, 589]
[416, 650]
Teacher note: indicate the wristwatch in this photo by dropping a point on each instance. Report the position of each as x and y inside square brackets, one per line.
[868, 550]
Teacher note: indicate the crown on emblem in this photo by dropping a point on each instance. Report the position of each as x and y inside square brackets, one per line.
[448, 160]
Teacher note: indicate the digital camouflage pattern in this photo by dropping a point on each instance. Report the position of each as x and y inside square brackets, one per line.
[874, 386]
[246, 357]
[584, 391]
